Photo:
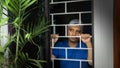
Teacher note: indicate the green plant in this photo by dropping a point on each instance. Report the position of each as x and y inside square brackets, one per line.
[1, 55]
[22, 34]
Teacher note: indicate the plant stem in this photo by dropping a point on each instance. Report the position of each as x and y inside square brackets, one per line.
[18, 33]
[17, 44]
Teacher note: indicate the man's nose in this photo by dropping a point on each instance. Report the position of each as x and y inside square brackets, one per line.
[73, 33]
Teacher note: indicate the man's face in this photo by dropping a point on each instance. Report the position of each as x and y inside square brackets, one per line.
[74, 31]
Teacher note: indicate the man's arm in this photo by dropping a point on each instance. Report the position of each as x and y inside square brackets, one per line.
[54, 39]
[89, 45]
[87, 40]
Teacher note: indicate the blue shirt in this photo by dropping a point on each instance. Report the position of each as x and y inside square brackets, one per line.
[76, 54]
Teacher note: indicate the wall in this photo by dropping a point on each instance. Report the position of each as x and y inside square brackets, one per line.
[103, 33]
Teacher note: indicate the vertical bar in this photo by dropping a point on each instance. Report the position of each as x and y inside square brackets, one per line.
[52, 42]
[80, 42]
[80, 64]
[51, 1]
[52, 19]
[53, 63]
[65, 53]
[65, 7]
[54, 30]
[80, 26]
[66, 30]
[79, 18]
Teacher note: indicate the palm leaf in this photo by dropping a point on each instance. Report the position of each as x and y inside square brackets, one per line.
[26, 62]
[27, 3]
[39, 28]
[8, 5]
[36, 63]
[22, 59]
[14, 5]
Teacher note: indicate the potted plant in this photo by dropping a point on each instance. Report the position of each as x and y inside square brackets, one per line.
[22, 33]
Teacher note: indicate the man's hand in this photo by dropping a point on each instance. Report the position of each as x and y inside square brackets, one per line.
[86, 38]
[54, 37]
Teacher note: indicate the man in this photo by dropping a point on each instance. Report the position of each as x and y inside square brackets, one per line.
[73, 42]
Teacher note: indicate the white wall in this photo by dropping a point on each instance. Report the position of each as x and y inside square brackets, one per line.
[4, 32]
[103, 33]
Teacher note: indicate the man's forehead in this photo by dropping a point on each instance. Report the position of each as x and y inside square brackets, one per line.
[74, 26]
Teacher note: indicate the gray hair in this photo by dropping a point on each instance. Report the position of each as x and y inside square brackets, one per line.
[75, 21]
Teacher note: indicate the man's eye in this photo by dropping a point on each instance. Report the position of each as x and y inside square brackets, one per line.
[78, 31]
[70, 29]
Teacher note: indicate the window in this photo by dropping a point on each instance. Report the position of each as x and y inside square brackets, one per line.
[61, 14]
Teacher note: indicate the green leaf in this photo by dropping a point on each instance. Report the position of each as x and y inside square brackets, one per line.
[25, 16]
[1, 58]
[36, 63]
[11, 6]
[10, 40]
[28, 36]
[24, 3]
[15, 22]
[29, 3]
[1, 49]
[3, 21]
[1, 54]
[38, 28]
[14, 5]
[12, 10]
[22, 40]
[7, 1]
